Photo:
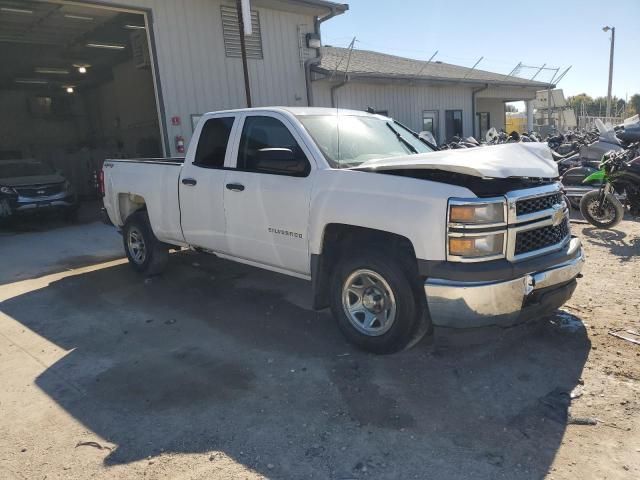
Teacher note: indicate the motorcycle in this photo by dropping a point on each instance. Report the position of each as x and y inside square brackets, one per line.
[576, 167]
[619, 176]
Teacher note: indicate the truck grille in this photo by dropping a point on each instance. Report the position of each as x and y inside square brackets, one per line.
[537, 204]
[40, 190]
[539, 238]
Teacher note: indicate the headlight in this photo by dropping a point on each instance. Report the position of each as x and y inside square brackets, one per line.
[477, 213]
[7, 190]
[476, 229]
[477, 246]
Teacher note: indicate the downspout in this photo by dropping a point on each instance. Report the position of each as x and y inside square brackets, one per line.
[473, 107]
[314, 61]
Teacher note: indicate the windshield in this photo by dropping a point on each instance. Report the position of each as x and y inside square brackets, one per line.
[360, 138]
[24, 169]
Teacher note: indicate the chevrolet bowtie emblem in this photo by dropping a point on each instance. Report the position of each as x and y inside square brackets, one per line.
[558, 214]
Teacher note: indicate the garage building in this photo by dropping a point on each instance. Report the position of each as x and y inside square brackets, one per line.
[87, 80]
[445, 99]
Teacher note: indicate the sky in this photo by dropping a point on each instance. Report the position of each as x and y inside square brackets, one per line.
[559, 33]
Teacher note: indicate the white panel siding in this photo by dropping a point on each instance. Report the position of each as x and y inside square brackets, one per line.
[405, 103]
[495, 107]
[508, 93]
[197, 77]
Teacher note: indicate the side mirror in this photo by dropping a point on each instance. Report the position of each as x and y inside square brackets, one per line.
[281, 161]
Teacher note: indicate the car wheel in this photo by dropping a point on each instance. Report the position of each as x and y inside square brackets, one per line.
[145, 252]
[377, 303]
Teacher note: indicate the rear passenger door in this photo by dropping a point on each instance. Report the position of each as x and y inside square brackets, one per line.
[267, 200]
[201, 184]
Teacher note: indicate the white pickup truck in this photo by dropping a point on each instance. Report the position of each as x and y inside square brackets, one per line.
[394, 236]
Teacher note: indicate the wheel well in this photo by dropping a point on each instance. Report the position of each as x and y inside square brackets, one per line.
[129, 203]
[339, 239]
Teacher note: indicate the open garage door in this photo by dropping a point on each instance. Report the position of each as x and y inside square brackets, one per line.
[76, 87]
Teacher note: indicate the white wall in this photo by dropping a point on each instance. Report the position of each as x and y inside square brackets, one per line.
[495, 107]
[405, 103]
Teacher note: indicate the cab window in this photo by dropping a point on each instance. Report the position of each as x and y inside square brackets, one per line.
[267, 146]
[212, 145]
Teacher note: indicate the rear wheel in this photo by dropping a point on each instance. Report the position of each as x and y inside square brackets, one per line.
[145, 252]
[377, 304]
[602, 214]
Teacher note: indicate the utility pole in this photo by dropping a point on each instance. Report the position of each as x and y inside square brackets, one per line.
[613, 41]
[243, 49]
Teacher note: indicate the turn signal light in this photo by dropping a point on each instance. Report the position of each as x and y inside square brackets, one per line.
[462, 213]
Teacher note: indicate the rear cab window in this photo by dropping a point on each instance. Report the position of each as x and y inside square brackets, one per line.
[213, 141]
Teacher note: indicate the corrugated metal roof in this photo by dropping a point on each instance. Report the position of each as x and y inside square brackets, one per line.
[365, 63]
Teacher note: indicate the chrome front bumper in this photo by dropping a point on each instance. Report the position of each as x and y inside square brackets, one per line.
[475, 304]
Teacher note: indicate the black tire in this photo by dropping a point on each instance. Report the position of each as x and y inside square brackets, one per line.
[411, 321]
[591, 200]
[156, 254]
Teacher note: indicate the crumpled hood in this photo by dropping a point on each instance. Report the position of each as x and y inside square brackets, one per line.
[32, 180]
[531, 159]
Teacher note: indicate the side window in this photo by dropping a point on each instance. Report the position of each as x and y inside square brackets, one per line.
[212, 145]
[267, 146]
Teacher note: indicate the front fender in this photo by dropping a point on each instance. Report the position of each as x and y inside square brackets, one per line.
[412, 208]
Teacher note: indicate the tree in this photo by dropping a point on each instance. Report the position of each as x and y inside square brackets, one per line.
[634, 103]
[510, 108]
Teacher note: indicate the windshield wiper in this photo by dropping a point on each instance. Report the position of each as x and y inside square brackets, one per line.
[403, 140]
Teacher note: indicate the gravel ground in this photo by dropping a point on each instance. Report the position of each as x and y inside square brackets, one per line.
[217, 370]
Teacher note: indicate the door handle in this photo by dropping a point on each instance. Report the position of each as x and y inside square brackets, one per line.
[189, 181]
[235, 187]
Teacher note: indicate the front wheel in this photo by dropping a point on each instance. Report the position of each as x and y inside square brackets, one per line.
[376, 304]
[145, 252]
[605, 214]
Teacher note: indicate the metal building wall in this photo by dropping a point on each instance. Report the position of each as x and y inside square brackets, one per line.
[405, 103]
[495, 107]
[197, 77]
[508, 94]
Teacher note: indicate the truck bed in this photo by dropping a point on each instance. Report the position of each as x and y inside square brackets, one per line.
[160, 160]
[152, 182]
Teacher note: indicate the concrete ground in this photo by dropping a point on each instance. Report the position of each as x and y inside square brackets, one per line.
[218, 370]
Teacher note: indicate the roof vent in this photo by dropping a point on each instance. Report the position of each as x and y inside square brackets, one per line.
[437, 61]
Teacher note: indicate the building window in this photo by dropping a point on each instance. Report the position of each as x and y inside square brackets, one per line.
[430, 122]
[484, 121]
[453, 123]
[231, 33]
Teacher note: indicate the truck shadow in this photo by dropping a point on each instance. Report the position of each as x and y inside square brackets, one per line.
[219, 357]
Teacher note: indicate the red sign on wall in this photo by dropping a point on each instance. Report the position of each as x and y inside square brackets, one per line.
[175, 121]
